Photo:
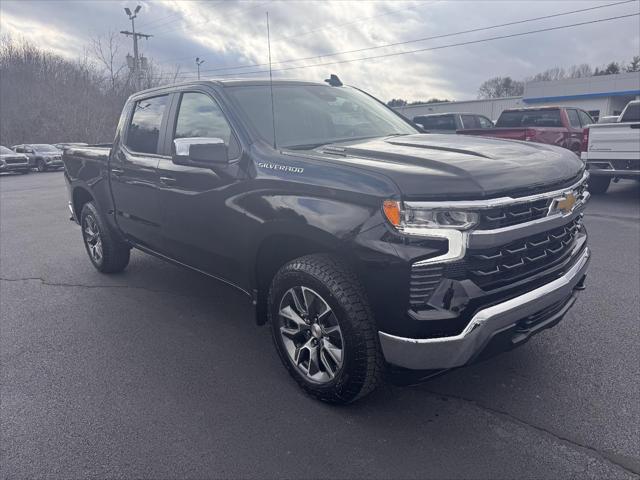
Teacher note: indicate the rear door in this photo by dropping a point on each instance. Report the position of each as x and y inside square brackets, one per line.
[197, 223]
[134, 173]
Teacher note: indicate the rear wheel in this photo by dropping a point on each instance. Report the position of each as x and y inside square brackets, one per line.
[106, 252]
[41, 165]
[599, 185]
[323, 329]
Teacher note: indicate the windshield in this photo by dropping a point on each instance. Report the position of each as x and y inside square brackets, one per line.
[530, 118]
[5, 150]
[311, 115]
[45, 148]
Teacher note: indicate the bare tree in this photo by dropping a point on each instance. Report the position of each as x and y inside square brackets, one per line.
[107, 51]
[499, 87]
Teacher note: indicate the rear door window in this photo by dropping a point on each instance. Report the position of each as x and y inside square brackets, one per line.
[574, 119]
[144, 130]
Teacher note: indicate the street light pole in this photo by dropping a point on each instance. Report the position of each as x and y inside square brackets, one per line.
[198, 63]
[132, 33]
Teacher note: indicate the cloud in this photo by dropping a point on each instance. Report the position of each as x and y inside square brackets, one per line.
[227, 34]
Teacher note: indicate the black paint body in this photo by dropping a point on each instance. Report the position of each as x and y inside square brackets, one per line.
[240, 221]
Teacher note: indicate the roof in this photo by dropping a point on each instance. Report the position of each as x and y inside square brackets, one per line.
[230, 82]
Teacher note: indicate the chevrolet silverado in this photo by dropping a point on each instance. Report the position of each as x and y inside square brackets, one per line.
[366, 245]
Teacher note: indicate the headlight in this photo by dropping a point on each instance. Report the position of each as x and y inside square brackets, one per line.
[419, 221]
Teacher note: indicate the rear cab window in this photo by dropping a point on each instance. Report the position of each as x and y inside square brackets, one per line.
[443, 122]
[143, 132]
[631, 113]
[530, 118]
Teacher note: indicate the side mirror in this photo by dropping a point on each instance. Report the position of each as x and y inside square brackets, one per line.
[200, 151]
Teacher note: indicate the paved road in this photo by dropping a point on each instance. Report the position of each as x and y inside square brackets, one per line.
[159, 372]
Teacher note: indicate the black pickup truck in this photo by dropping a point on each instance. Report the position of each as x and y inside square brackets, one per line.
[367, 245]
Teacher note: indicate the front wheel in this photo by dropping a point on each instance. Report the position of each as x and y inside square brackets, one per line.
[42, 166]
[599, 185]
[106, 252]
[323, 329]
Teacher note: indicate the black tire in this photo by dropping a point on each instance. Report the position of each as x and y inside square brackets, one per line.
[41, 166]
[24, 172]
[363, 364]
[599, 185]
[114, 253]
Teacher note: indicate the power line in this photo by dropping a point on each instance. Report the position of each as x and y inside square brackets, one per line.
[474, 30]
[470, 42]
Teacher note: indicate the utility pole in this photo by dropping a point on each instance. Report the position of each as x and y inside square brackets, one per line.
[198, 63]
[136, 59]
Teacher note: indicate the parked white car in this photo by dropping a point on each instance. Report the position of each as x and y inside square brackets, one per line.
[612, 150]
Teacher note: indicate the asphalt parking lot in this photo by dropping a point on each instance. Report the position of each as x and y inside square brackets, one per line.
[160, 372]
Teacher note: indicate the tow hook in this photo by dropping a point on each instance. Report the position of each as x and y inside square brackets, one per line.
[582, 283]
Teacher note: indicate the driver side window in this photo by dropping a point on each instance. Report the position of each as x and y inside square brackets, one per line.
[200, 116]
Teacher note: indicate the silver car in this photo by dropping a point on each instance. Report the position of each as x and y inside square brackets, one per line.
[11, 161]
[41, 156]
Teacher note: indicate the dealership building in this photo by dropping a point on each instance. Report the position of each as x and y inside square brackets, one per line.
[601, 95]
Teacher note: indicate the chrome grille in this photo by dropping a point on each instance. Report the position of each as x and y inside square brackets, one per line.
[514, 214]
[516, 260]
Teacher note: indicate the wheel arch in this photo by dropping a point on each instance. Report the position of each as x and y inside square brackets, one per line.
[80, 197]
[278, 248]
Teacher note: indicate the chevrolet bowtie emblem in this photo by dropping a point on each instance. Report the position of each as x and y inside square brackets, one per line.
[565, 204]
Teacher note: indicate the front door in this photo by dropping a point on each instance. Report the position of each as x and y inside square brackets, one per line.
[196, 218]
[134, 172]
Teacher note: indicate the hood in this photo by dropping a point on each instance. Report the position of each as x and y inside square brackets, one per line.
[435, 165]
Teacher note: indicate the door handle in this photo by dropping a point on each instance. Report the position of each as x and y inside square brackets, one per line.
[167, 180]
[117, 171]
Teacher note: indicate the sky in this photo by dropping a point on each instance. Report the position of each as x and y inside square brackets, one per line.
[231, 36]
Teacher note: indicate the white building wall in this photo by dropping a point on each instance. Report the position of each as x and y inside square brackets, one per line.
[605, 94]
[600, 85]
[491, 108]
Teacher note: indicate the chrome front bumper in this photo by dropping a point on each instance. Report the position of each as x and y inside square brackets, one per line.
[455, 351]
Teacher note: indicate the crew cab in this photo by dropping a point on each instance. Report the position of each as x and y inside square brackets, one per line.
[41, 156]
[11, 161]
[612, 150]
[452, 122]
[561, 126]
[365, 244]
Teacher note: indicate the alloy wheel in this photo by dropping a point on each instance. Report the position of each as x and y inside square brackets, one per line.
[92, 238]
[311, 334]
